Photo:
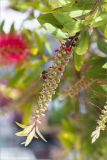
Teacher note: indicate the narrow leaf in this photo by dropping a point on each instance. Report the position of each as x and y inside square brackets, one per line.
[30, 137]
[36, 136]
[82, 46]
[38, 132]
[12, 28]
[21, 134]
[78, 61]
[21, 125]
[105, 32]
[104, 66]
[2, 26]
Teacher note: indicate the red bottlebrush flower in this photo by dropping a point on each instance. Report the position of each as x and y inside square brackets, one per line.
[60, 69]
[53, 79]
[13, 49]
[56, 51]
[44, 77]
[50, 67]
[69, 49]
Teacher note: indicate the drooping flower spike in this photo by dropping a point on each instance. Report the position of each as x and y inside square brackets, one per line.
[51, 80]
[82, 84]
[101, 125]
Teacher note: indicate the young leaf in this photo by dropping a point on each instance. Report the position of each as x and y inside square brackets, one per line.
[21, 134]
[102, 45]
[36, 136]
[82, 46]
[104, 66]
[105, 32]
[25, 132]
[1, 26]
[100, 20]
[12, 28]
[21, 125]
[40, 135]
[73, 27]
[55, 31]
[78, 61]
[49, 18]
[95, 134]
[30, 137]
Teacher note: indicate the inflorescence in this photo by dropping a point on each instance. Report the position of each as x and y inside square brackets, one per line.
[51, 78]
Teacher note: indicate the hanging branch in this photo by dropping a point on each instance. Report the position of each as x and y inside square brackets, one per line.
[52, 78]
[83, 84]
[94, 8]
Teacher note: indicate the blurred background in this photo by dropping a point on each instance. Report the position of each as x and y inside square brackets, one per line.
[25, 50]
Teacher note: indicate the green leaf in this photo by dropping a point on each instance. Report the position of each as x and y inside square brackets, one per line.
[105, 32]
[25, 132]
[1, 26]
[104, 66]
[73, 27]
[69, 5]
[82, 46]
[69, 11]
[49, 18]
[21, 125]
[66, 18]
[56, 3]
[16, 78]
[102, 45]
[21, 134]
[100, 20]
[39, 41]
[55, 31]
[96, 70]
[26, 113]
[12, 28]
[78, 61]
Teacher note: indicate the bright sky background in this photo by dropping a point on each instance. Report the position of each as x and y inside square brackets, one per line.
[11, 16]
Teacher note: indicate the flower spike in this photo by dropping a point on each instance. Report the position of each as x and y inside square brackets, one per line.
[51, 78]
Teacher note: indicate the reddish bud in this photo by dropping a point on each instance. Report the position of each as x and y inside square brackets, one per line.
[56, 51]
[50, 67]
[60, 69]
[44, 77]
[69, 49]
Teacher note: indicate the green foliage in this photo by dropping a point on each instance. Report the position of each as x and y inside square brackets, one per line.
[83, 41]
[77, 116]
[1, 26]
[78, 61]
[102, 45]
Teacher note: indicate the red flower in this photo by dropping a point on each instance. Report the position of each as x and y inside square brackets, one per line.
[60, 69]
[68, 49]
[56, 51]
[13, 49]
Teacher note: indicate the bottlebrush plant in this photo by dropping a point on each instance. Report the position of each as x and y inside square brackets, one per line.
[13, 49]
[52, 79]
[77, 74]
[101, 124]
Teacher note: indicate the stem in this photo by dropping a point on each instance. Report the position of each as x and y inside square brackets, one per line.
[94, 8]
